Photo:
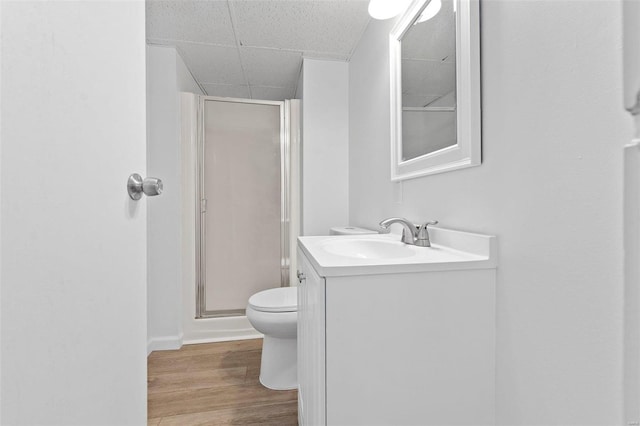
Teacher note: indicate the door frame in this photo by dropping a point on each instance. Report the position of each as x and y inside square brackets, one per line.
[201, 207]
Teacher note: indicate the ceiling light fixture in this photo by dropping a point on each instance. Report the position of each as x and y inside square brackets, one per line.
[431, 10]
[385, 9]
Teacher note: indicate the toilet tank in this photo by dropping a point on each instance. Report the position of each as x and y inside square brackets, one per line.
[350, 230]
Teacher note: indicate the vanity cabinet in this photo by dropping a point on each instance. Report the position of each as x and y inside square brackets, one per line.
[311, 345]
[412, 348]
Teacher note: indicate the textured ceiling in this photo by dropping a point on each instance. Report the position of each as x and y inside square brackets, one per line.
[254, 48]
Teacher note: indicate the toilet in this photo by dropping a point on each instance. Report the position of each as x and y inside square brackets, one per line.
[274, 313]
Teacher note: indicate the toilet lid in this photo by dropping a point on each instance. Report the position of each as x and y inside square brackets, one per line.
[282, 299]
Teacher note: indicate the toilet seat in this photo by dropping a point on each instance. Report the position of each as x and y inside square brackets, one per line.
[282, 299]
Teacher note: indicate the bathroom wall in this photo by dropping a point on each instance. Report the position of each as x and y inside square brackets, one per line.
[632, 281]
[167, 76]
[325, 145]
[550, 188]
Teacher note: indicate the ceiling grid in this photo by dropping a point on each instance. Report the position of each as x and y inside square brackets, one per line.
[254, 48]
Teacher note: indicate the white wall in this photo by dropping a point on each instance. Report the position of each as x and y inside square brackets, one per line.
[184, 79]
[73, 242]
[550, 188]
[167, 76]
[300, 86]
[632, 282]
[1, 72]
[325, 145]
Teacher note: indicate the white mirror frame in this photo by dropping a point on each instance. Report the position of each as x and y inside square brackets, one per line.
[467, 151]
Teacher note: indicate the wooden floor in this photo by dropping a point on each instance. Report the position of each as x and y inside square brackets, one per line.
[215, 384]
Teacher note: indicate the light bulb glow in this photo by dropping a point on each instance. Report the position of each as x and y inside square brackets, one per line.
[431, 10]
[385, 9]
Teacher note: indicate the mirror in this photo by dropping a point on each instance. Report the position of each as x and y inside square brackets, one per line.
[435, 88]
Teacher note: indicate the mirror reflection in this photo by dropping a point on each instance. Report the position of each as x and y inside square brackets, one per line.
[429, 81]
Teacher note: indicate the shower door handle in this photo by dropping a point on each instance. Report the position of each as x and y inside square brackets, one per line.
[136, 186]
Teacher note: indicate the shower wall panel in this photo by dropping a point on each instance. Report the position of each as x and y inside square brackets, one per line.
[241, 185]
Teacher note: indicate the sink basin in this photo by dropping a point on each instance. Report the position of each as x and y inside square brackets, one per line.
[368, 249]
[337, 255]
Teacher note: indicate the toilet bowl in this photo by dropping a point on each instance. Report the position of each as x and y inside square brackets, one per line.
[274, 313]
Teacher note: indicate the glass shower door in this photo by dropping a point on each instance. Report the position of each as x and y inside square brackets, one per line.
[241, 187]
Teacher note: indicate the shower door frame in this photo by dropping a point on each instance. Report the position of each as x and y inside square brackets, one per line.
[201, 203]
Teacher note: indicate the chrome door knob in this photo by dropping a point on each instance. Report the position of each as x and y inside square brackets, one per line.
[152, 186]
[136, 186]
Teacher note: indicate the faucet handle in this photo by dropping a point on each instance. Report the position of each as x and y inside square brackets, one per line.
[423, 234]
[423, 228]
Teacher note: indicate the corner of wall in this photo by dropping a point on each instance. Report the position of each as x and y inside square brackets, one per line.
[164, 343]
[163, 241]
[185, 79]
[325, 150]
[299, 92]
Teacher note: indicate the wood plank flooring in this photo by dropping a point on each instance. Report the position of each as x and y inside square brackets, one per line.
[215, 384]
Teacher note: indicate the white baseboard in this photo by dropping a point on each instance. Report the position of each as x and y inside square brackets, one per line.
[238, 335]
[223, 329]
[209, 330]
[164, 343]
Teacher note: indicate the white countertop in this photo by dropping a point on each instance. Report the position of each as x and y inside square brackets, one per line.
[450, 250]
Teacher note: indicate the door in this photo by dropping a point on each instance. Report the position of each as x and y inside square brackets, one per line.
[242, 230]
[631, 96]
[73, 253]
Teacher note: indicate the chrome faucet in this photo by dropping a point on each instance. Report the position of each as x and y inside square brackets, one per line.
[416, 235]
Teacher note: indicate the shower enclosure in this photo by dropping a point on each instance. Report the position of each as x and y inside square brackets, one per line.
[243, 187]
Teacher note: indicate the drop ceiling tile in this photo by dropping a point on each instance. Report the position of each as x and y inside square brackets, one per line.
[269, 67]
[272, 93]
[161, 42]
[213, 64]
[448, 100]
[409, 100]
[325, 56]
[319, 26]
[428, 77]
[227, 90]
[197, 21]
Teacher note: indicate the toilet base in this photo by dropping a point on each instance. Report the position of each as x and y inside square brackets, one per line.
[279, 363]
